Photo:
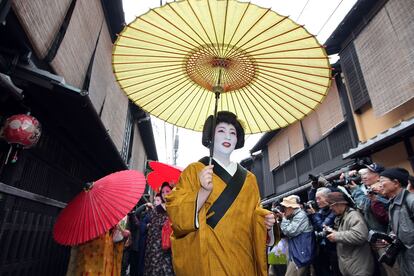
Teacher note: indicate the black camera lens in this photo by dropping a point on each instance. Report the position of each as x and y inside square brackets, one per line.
[338, 182]
[279, 209]
[321, 234]
[310, 204]
[355, 178]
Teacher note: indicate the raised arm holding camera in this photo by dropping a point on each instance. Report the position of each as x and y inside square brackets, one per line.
[367, 192]
[394, 181]
[374, 206]
[326, 260]
[296, 226]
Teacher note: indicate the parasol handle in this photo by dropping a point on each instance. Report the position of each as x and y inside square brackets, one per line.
[213, 125]
[217, 90]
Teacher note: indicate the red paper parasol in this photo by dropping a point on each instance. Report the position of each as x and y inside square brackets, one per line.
[162, 173]
[98, 208]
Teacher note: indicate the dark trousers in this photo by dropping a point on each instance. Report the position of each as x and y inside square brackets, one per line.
[125, 261]
[326, 262]
[134, 263]
[277, 270]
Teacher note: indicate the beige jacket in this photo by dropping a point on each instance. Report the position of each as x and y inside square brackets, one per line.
[354, 253]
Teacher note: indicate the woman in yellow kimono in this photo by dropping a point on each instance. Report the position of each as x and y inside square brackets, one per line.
[219, 227]
[101, 256]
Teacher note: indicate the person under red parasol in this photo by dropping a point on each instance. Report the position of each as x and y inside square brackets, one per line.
[93, 223]
[158, 259]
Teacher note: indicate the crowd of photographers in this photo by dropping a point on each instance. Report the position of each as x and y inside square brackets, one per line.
[359, 224]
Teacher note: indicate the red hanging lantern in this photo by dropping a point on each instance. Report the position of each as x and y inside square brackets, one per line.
[22, 129]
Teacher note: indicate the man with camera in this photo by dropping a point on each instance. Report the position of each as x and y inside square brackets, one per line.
[367, 193]
[326, 260]
[374, 206]
[401, 210]
[296, 226]
[350, 236]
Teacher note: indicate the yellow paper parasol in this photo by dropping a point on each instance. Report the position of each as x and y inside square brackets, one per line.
[174, 61]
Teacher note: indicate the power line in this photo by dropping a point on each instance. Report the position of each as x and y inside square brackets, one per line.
[329, 18]
[304, 7]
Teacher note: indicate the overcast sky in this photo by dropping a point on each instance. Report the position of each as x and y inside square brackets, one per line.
[320, 18]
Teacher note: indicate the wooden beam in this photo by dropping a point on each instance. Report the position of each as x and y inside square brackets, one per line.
[7, 189]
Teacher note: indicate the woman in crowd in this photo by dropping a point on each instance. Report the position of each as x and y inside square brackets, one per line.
[100, 256]
[157, 260]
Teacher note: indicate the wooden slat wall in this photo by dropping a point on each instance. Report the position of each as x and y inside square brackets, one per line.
[72, 58]
[27, 247]
[312, 128]
[354, 79]
[55, 169]
[114, 114]
[105, 90]
[41, 19]
[385, 50]
[295, 139]
[289, 141]
[283, 146]
[138, 156]
[279, 151]
[326, 116]
[273, 150]
[102, 75]
[330, 111]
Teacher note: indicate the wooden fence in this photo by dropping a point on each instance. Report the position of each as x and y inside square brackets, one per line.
[27, 246]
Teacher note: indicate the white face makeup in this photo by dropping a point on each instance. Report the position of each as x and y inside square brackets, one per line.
[225, 139]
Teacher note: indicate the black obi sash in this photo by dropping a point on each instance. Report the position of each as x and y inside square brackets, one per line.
[229, 194]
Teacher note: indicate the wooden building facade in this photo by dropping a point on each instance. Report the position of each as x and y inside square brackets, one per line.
[376, 48]
[313, 145]
[55, 62]
[369, 111]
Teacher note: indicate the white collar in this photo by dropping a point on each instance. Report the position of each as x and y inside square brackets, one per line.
[231, 168]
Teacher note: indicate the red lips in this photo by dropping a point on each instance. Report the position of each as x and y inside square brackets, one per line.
[226, 144]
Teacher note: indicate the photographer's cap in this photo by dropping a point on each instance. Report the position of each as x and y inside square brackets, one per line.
[337, 198]
[290, 201]
[375, 167]
[399, 174]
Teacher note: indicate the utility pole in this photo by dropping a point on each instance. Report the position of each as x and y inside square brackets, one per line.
[176, 144]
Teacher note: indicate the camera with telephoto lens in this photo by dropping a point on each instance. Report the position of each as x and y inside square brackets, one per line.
[359, 164]
[314, 179]
[348, 179]
[354, 178]
[310, 204]
[391, 253]
[396, 246]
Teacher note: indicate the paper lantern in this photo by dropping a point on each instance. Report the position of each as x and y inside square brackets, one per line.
[22, 129]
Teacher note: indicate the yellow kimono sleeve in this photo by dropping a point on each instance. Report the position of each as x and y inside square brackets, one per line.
[260, 236]
[182, 202]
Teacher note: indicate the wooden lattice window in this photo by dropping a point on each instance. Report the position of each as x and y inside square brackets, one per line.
[354, 78]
